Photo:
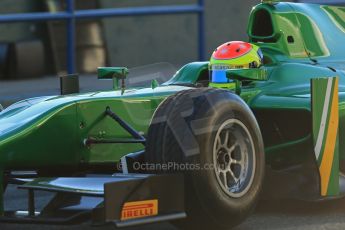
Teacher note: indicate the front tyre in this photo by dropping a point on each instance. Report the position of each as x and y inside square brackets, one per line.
[216, 131]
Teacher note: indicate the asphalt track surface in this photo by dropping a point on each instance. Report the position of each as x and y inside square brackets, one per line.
[281, 215]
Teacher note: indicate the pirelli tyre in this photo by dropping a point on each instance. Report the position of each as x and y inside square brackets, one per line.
[213, 137]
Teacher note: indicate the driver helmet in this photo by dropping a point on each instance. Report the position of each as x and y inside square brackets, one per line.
[233, 55]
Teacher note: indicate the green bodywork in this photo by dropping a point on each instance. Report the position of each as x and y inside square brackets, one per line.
[300, 42]
[51, 131]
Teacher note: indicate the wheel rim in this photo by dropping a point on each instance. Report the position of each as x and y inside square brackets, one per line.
[234, 158]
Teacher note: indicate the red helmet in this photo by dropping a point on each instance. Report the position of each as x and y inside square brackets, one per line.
[234, 55]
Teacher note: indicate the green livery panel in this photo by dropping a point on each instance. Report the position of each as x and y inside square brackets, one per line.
[53, 131]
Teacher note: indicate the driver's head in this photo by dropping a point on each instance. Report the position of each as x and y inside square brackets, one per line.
[233, 55]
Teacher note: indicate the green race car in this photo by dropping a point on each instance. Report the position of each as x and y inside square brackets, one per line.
[186, 152]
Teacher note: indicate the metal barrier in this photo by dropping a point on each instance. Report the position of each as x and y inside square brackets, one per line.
[70, 15]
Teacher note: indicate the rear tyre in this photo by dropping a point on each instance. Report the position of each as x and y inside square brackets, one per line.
[213, 137]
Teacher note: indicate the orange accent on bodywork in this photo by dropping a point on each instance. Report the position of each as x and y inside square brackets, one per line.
[138, 209]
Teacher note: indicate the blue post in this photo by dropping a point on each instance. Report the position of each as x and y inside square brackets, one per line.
[70, 37]
[201, 30]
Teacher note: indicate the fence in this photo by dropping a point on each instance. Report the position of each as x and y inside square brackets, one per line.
[71, 15]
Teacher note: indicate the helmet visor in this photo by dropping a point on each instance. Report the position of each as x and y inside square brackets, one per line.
[219, 76]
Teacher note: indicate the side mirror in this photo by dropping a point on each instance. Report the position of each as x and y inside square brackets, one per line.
[255, 74]
[270, 1]
[114, 73]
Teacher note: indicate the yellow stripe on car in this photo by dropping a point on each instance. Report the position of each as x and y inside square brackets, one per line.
[331, 138]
